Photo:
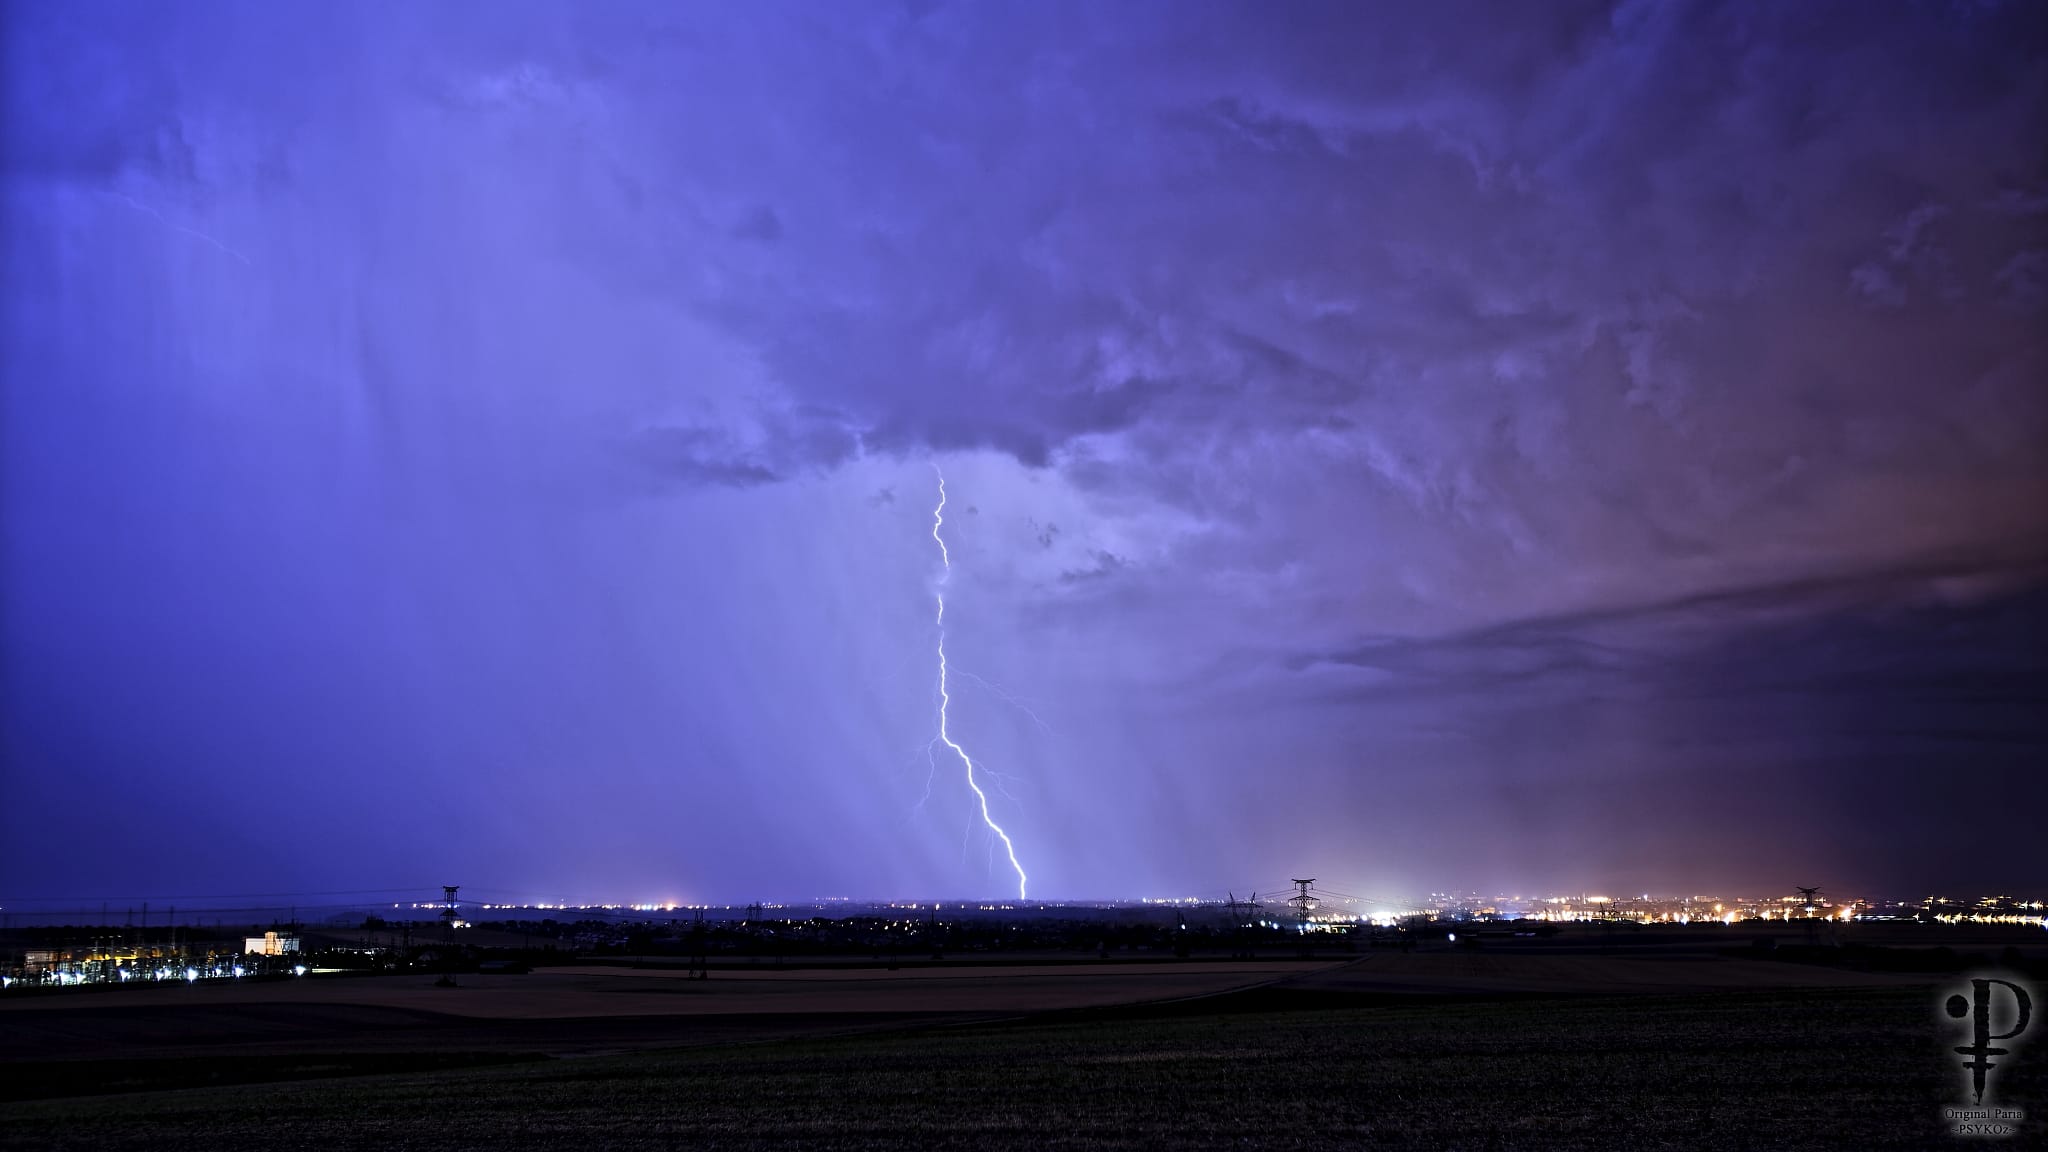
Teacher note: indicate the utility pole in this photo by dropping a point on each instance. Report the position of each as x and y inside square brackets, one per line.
[1303, 903]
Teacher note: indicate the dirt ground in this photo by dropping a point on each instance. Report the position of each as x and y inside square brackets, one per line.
[578, 1011]
[1858, 1068]
[1462, 973]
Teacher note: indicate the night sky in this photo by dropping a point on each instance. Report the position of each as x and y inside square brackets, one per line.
[1505, 446]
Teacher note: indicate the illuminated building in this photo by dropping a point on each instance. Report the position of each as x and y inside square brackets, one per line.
[269, 944]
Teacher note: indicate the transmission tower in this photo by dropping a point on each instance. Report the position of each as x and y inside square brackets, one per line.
[700, 964]
[448, 892]
[1303, 902]
[1811, 898]
[1242, 913]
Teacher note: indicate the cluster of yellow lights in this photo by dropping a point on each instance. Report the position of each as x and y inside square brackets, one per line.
[1569, 915]
[665, 906]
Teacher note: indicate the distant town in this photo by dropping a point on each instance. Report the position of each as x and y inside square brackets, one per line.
[81, 948]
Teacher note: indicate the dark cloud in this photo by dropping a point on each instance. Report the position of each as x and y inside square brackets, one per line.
[1629, 288]
[1868, 719]
[1102, 566]
[1909, 632]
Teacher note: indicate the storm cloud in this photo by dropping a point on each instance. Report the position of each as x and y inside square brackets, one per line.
[1553, 424]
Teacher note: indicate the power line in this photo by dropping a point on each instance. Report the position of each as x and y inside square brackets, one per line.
[1363, 899]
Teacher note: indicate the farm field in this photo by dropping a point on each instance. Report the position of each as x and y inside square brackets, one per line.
[1564, 1044]
[1851, 1067]
[577, 1011]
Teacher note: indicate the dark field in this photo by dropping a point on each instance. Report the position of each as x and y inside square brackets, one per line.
[1265, 1068]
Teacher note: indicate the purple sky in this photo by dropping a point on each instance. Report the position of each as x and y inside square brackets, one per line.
[1501, 445]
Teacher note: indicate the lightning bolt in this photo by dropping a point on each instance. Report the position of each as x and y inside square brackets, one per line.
[1006, 696]
[946, 698]
[139, 206]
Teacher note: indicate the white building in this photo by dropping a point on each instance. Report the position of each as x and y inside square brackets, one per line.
[270, 944]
